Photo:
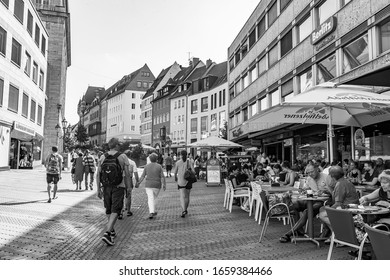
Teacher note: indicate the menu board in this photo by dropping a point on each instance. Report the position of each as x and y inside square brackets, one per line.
[213, 172]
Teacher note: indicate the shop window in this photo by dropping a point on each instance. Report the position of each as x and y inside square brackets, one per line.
[327, 9]
[13, 99]
[305, 81]
[194, 125]
[262, 65]
[261, 28]
[203, 124]
[204, 104]
[275, 98]
[287, 90]
[27, 67]
[355, 54]
[253, 109]
[326, 69]
[1, 92]
[37, 34]
[273, 56]
[194, 106]
[33, 110]
[252, 38]
[3, 40]
[16, 52]
[272, 14]
[384, 31]
[25, 105]
[213, 123]
[19, 10]
[305, 28]
[29, 22]
[39, 119]
[286, 43]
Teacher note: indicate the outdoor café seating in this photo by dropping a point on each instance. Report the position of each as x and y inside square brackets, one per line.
[380, 241]
[226, 199]
[256, 199]
[241, 193]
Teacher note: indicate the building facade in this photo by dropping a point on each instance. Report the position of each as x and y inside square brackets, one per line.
[23, 72]
[288, 46]
[56, 17]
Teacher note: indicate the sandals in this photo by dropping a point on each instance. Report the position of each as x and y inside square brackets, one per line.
[285, 238]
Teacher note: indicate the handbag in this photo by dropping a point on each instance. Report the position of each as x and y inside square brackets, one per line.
[189, 175]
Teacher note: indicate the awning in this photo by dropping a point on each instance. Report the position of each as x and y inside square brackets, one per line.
[378, 77]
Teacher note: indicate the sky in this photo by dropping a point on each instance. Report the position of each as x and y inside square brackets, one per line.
[111, 40]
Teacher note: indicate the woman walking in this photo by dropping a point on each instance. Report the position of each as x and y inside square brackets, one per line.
[79, 171]
[184, 186]
[154, 180]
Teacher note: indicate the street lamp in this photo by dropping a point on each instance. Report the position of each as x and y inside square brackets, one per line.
[64, 128]
[58, 129]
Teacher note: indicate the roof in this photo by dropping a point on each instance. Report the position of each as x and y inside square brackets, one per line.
[156, 82]
[90, 95]
[198, 73]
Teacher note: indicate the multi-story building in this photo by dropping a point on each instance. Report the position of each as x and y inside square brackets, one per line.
[124, 100]
[286, 47]
[56, 18]
[161, 105]
[206, 113]
[23, 72]
[146, 111]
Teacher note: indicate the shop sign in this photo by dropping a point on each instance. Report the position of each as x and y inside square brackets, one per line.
[359, 137]
[315, 113]
[22, 128]
[237, 132]
[324, 30]
[288, 142]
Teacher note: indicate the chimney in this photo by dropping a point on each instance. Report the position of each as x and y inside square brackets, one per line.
[208, 63]
[195, 61]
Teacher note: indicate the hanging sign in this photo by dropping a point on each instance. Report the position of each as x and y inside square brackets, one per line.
[359, 137]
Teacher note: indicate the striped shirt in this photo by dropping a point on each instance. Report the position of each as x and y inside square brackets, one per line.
[89, 161]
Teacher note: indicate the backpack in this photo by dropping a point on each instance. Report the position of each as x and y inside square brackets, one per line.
[53, 165]
[111, 171]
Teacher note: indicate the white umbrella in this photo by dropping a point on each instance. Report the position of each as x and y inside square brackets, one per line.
[145, 147]
[332, 104]
[214, 143]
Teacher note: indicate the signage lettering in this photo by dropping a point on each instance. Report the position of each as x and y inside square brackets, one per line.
[326, 28]
[20, 127]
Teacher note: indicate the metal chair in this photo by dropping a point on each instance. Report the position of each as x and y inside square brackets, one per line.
[343, 230]
[226, 199]
[256, 190]
[237, 193]
[380, 241]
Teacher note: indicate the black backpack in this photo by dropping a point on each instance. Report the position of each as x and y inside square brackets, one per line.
[111, 170]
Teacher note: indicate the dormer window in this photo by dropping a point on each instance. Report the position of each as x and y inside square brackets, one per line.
[185, 87]
[179, 89]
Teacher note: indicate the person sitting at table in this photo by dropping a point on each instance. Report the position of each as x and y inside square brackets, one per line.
[318, 183]
[354, 175]
[246, 173]
[379, 165]
[235, 177]
[291, 176]
[371, 175]
[279, 173]
[344, 193]
[260, 174]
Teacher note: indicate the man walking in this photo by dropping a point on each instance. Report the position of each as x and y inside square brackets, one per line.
[53, 164]
[89, 169]
[135, 178]
[111, 185]
[168, 165]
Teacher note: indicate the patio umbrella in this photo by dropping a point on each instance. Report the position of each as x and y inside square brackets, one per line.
[251, 149]
[215, 143]
[332, 104]
[145, 147]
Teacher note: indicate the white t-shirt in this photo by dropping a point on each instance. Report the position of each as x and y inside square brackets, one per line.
[132, 169]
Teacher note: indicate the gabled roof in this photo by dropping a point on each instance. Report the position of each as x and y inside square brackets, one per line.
[219, 71]
[91, 93]
[198, 73]
[156, 82]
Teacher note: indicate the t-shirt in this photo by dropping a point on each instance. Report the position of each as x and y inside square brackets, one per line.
[179, 169]
[168, 161]
[319, 184]
[59, 160]
[369, 177]
[345, 193]
[153, 173]
[123, 162]
[132, 170]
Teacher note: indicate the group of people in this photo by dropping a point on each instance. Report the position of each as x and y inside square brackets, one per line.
[83, 168]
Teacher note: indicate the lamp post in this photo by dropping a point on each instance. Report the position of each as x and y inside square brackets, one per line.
[58, 128]
[64, 128]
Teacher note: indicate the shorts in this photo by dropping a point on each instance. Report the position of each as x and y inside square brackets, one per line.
[52, 178]
[113, 199]
[168, 167]
[188, 186]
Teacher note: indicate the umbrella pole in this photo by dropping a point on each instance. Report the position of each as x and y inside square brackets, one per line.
[330, 135]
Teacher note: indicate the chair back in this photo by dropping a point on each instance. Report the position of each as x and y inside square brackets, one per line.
[256, 190]
[380, 241]
[342, 225]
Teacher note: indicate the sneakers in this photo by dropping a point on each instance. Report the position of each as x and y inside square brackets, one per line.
[113, 233]
[108, 239]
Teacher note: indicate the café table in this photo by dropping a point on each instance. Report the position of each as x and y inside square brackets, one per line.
[364, 188]
[267, 188]
[309, 236]
[369, 210]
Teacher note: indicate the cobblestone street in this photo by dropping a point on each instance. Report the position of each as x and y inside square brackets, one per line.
[71, 227]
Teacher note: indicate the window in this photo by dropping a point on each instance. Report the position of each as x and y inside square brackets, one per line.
[262, 65]
[29, 22]
[222, 119]
[132, 106]
[132, 116]
[1, 92]
[25, 105]
[204, 104]
[182, 103]
[245, 114]
[179, 119]
[237, 87]
[37, 34]
[3, 40]
[231, 63]
[133, 95]
[139, 84]
[305, 81]
[252, 38]
[286, 43]
[384, 34]
[284, 4]
[275, 98]
[326, 69]
[212, 103]
[13, 99]
[19, 10]
[231, 92]
[27, 67]
[245, 80]
[261, 28]
[213, 124]
[237, 57]
[287, 90]
[43, 45]
[39, 120]
[223, 97]
[33, 110]
[264, 103]
[133, 128]
[16, 52]
[41, 79]
[194, 125]
[35, 72]
[326, 10]
[145, 84]
[273, 56]
[203, 124]
[272, 14]
[305, 28]
[252, 74]
[5, 2]
[253, 109]
[175, 105]
[178, 104]
[355, 54]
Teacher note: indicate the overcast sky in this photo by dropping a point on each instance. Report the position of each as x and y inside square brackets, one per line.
[110, 39]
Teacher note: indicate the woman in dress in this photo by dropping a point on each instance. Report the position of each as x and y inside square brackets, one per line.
[354, 175]
[79, 171]
[155, 179]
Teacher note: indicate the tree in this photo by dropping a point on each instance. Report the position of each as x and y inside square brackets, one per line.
[81, 135]
[223, 131]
